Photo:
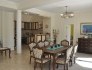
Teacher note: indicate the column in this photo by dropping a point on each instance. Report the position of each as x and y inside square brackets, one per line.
[18, 30]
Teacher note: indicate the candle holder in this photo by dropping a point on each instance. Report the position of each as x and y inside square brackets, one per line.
[55, 33]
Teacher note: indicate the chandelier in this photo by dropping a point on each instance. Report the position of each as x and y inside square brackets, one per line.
[67, 14]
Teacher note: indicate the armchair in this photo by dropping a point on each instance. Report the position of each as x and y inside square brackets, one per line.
[38, 55]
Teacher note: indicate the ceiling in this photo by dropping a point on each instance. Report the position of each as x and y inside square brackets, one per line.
[73, 5]
[17, 1]
[57, 6]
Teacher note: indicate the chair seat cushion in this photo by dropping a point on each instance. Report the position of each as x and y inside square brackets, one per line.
[43, 60]
[4, 48]
[61, 56]
[61, 61]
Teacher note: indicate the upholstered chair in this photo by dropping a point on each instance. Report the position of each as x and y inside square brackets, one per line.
[38, 55]
[73, 55]
[31, 45]
[64, 60]
[46, 43]
[40, 44]
[65, 43]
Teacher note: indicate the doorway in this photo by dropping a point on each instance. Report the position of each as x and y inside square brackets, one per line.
[70, 33]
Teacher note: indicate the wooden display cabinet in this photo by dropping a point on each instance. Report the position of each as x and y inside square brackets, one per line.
[85, 45]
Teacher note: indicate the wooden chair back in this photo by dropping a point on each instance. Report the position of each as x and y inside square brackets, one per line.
[65, 43]
[31, 45]
[75, 49]
[46, 43]
[40, 44]
[37, 53]
[68, 53]
[72, 57]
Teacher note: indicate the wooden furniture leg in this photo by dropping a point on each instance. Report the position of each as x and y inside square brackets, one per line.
[54, 61]
[9, 53]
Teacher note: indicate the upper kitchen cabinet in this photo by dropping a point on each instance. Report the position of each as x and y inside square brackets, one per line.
[32, 26]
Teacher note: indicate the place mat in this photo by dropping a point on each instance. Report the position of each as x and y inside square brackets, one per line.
[54, 48]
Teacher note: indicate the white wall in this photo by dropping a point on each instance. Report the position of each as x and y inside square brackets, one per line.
[60, 25]
[32, 18]
[0, 27]
[80, 17]
[8, 4]
[7, 30]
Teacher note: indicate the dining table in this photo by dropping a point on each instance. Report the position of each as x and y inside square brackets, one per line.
[53, 51]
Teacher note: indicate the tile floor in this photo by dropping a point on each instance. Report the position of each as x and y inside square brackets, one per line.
[21, 62]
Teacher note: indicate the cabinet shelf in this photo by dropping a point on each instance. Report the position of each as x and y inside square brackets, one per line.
[31, 26]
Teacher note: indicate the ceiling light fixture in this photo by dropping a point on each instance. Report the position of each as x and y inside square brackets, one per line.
[67, 14]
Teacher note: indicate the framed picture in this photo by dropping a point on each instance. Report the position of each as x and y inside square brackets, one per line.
[86, 28]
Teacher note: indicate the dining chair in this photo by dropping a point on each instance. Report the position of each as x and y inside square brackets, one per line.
[40, 44]
[65, 43]
[4, 49]
[31, 45]
[38, 55]
[51, 43]
[64, 60]
[46, 43]
[73, 55]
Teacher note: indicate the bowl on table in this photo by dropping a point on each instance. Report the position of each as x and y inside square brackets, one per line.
[58, 45]
[51, 47]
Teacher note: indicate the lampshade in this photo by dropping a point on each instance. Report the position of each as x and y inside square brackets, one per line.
[67, 14]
